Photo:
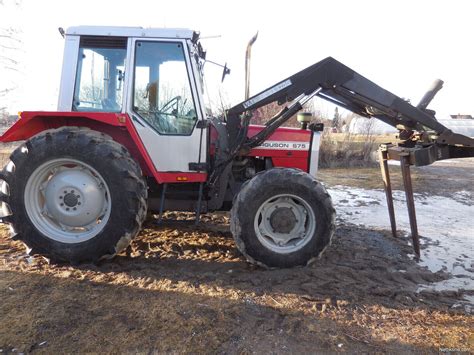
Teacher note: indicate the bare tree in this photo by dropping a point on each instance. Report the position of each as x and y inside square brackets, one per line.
[336, 120]
[368, 130]
[10, 46]
[264, 113]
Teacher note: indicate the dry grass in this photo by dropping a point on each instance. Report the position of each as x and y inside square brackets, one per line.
[350, 150]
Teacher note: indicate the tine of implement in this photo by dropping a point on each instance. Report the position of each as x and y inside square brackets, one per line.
[383, 157]
[405, 164]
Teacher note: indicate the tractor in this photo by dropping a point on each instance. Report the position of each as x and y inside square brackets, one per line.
[132, 134]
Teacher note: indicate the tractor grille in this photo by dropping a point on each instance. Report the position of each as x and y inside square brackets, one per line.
[103, 42]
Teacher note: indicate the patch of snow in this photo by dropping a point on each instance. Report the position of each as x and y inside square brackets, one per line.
[445, 225]
[461, 162]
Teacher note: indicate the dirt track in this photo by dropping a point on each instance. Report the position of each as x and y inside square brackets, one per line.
[187, 289]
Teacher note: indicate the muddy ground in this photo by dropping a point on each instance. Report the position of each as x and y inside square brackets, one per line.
[182, 288]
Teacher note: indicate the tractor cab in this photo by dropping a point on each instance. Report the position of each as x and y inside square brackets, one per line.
[152, 75]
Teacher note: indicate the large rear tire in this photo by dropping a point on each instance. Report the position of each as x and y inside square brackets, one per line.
[74, 195]
[282, 218]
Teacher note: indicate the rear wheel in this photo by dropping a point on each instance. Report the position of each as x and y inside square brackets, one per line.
[74, 195]
[282, 218]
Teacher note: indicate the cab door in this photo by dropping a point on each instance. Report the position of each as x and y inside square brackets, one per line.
[165, 107]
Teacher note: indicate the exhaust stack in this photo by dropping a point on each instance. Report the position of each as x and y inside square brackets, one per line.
[247, 65]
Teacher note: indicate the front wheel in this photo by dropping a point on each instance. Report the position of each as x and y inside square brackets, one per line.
[74, 195]
[282, 218]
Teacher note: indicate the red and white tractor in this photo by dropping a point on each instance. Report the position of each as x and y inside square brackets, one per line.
[131, 134]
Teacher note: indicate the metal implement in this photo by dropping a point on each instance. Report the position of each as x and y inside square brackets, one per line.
[383, 160]
[407, 183]
[405, 164]
[345, 87]
[423, 140]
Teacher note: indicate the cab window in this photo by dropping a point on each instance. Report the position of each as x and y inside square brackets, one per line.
[100, 74]
[162, 92]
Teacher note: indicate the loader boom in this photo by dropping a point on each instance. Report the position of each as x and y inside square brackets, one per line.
[423, 140]
[337, 83]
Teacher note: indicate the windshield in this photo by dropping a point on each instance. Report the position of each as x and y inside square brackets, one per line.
[162, 91]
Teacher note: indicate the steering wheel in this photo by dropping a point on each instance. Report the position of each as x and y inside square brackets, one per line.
[164, 121]
[169, 104]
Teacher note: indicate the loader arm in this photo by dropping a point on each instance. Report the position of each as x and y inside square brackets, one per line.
[337, 83]
[423, 140]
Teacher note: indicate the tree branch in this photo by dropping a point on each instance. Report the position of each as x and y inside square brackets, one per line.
[13, 61]
[7, 47]
[11, 68]
[10, 36]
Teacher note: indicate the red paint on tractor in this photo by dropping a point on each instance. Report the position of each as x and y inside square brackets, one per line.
[117, 125]
[283, 134]
[120, 127]
[293, 152]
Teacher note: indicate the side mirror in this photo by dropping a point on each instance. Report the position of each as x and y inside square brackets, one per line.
[225, 72]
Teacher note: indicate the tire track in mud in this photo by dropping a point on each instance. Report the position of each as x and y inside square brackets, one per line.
[361, 266]
[361, 291]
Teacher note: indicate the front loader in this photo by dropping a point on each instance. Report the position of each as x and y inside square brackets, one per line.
[132, 134]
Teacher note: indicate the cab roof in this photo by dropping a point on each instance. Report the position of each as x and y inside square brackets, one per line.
[131, 32]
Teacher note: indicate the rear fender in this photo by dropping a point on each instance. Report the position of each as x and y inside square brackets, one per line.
[116, 125]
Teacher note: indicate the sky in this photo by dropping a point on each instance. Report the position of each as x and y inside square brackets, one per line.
[400, 45]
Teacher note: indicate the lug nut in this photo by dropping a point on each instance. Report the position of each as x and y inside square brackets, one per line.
[74, 208]
[78, 203]
[60, 197]
[62, 204]
[67, 208]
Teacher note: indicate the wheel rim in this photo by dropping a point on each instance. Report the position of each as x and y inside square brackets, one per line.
[67, 200]
[285, 223]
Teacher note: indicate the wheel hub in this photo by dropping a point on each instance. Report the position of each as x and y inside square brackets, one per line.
[71, 199]
[283, 220]
[285, 223]
[74, 198]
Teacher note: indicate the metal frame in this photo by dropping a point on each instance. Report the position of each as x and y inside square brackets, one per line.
[424, 139]
[68, 73]
[405, 163]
